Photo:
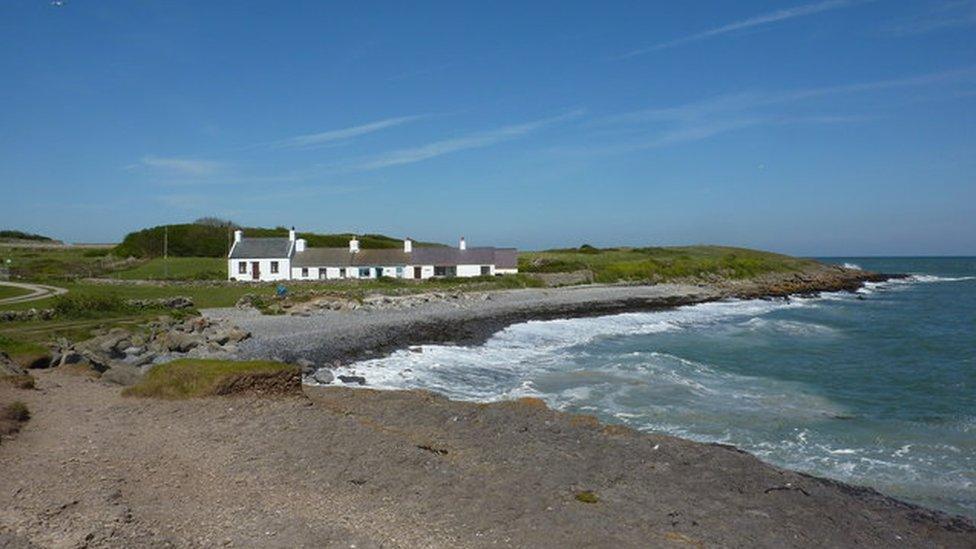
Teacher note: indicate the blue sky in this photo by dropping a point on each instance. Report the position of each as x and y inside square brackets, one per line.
[835, 127]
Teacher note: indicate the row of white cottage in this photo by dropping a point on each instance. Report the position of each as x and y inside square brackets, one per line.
[271, 259]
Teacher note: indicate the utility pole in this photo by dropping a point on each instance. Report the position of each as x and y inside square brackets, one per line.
[166, 252]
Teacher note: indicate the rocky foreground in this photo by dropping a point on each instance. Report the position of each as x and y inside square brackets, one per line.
[343, 467]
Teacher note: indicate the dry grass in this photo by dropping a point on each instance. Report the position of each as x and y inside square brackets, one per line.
[190, 378]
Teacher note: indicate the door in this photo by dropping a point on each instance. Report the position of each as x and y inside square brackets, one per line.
[256, 270]
[418, 272]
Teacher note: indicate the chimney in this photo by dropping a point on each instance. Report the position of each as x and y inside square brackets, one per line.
[300, 245]
[353, 245]
[407, 245]
[238, 235]
[462, 245]
[291, 234]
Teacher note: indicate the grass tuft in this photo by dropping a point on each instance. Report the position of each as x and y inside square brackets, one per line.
[19, 381]
[586, 496]
[190, 378]
[16, 411]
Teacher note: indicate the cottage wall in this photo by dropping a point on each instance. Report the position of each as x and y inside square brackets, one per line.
[264, 268]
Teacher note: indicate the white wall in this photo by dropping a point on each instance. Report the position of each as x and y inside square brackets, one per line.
[472, 270]
[264, 266]
[506, 271]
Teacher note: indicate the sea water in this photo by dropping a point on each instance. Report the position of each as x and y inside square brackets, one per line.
[876, 388]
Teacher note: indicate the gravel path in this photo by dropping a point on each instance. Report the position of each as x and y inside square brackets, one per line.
[37, 291]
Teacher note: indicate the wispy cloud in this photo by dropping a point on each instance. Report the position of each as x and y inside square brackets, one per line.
[447, 146]
[705, 119]
[180, 166]
[749, 23]
[313, 140]
[745, 101]
[944, 15]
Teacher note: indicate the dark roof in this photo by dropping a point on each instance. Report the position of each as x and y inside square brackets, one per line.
[506, 258]
[340, 257]
[257, 248]
[437, 256]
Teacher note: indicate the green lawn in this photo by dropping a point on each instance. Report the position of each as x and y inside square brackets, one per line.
[661, 264]
[177, 268]
[11, 291]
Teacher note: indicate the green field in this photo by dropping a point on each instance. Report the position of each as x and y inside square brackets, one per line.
[660, 264]
[55, 263]
[177, 268]
[189, 378]
[11, 291]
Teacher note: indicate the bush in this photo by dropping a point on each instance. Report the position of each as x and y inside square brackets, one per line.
[76, 305]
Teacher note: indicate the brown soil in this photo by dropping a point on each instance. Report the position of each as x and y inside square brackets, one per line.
[362, 468]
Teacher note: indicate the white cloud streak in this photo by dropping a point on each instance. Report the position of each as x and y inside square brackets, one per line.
[752, 22]
[447, 146]
[313, 140]
[182, 166]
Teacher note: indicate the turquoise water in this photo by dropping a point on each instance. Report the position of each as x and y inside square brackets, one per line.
[876, 388]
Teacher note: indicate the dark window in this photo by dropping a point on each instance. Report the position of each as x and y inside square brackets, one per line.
[485, 270]
[323, 273]
[304, 272]
[242, 267]
[274, 266]
[445, 271]
[364, 272]
[342, 272]
[379, 272]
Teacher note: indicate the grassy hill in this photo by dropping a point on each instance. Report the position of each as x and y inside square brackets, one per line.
[658, 264]
[20, 235]
[195, 240]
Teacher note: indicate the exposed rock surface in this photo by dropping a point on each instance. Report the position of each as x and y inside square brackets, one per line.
[122, 356]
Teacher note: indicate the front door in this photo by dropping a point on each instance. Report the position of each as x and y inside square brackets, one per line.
[256, 270]
[418, 272]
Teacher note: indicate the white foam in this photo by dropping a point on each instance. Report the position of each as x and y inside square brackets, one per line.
[854, 266]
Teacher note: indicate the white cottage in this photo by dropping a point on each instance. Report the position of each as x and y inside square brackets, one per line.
[272, 259]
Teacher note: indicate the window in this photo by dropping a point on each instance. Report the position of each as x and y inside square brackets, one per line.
[399, 272]
[342, 272]
[379, 272]
[364, 272]
[274, 266]
[440, 271]
[304, 272]
[485, 270]
[242, 267]
[323, 273]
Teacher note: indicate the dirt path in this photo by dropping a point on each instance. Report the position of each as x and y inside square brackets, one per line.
[393, 469]
[37, 291]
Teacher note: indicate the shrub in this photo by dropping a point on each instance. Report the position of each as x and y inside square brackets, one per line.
[586, 496]
[19, 381]
[78, 305]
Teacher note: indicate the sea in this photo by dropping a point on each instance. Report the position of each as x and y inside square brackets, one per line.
[875, 388]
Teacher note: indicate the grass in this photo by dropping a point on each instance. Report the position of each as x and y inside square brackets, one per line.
[177, 268]
[54, 264]
[19, 381]
[661, 264]
[12, 291]
[586, 496]
[190, 378]
[24, 353]
[16, 411]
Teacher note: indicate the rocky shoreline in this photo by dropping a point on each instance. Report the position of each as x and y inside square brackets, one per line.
[329, 334]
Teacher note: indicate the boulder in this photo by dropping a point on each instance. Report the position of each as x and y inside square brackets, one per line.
[306, 365]
[122, 374]
[180, 342]
[353, 379]
[10, 368]
[324, 376]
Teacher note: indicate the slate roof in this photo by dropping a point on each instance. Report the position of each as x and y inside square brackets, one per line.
[340, 257]
[437, 256]
[506, 258]
[257, 248]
